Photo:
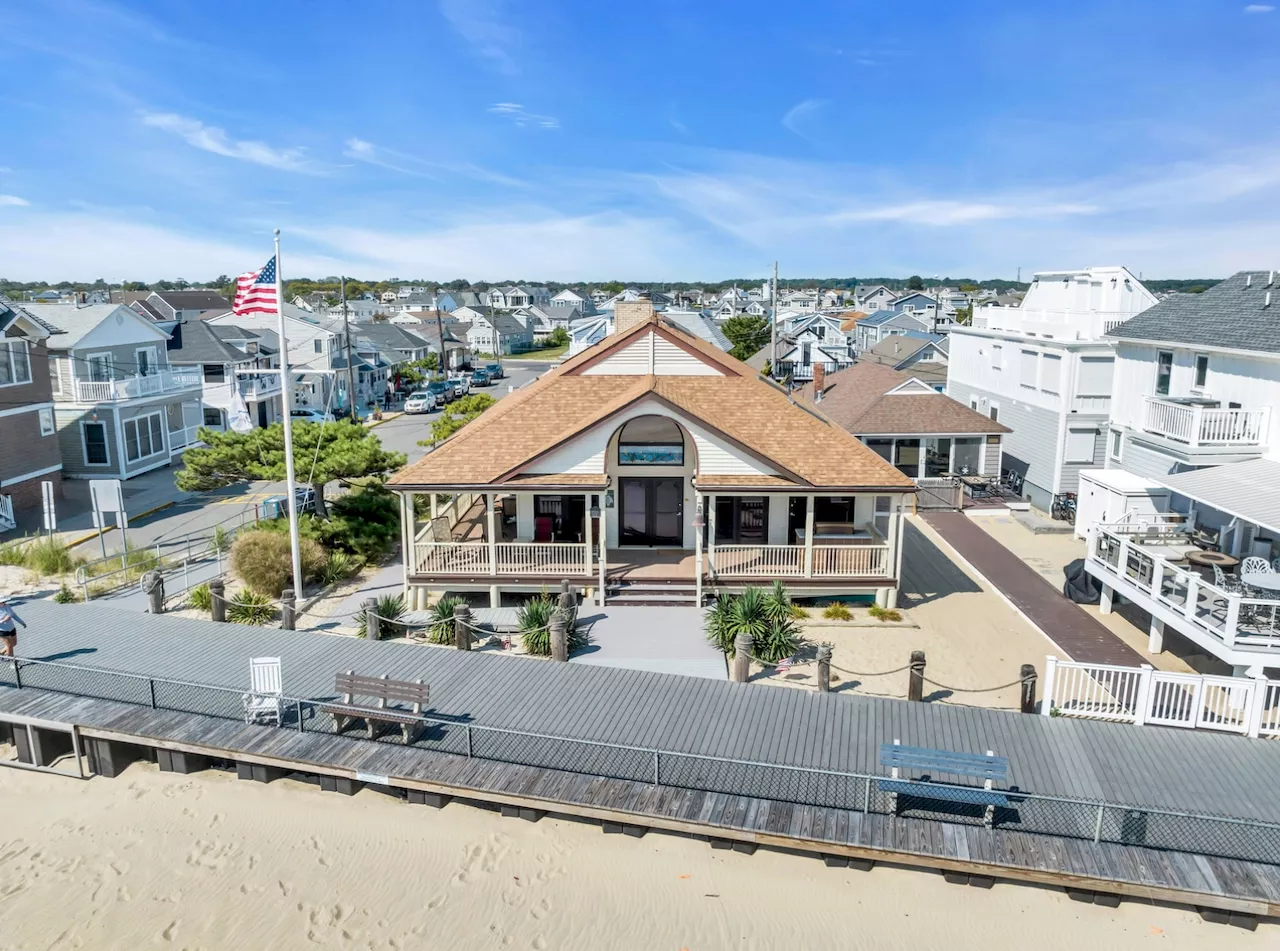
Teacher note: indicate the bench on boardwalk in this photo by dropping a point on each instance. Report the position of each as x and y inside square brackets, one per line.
[989, 768]
[381, 689]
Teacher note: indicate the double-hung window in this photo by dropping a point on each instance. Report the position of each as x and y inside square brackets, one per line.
[143, 437]
[1164, 372]
[1202, 370]
[15, 363]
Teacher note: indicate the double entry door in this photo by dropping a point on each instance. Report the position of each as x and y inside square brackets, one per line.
[651, 511]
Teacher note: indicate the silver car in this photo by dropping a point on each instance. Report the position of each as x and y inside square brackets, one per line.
[420, 401]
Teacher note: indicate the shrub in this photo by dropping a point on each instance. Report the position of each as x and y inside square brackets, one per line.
[44, 556]
[339, 566]
[390, 608]
[764, 616]
[11, 554]
[220, 540]
[534, 619]
[835, 611]
[122, 568]
[200, 598]
[263, 560]
[248, 607]
[440, 629]
[365, 522]
[65, 595]
[884, 614]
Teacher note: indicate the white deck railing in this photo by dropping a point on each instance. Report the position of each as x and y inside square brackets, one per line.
[182, 438]
[131, 388]
[1142, 695]
[788, 561]
[508, 558]
[1200, 426]
[1174, 594]
[6, 511]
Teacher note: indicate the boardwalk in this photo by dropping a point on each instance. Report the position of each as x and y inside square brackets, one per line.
[1080, 635]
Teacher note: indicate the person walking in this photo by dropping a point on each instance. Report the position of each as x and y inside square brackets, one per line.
[8, 628]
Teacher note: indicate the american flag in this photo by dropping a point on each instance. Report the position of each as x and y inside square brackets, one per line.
[785, 663]
[256, 291]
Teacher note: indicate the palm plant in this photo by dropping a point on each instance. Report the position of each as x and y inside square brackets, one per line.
[534, 620]
[440, 627]
[390, 609]
[765, 617]
[249, 607]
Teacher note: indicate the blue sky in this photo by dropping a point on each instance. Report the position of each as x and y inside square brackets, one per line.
[671, 139]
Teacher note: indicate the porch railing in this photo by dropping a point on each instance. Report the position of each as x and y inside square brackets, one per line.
[535, 558]
[182, 438]
[788, 561]
[1200, 426]
[162, 381]
[1194, 605]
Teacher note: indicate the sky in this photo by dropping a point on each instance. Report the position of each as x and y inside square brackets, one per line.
[677, 140]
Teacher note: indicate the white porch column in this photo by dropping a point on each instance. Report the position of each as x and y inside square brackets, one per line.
[604, 548]
[711, 534]
[898, 531]
[699, 516]
[586, 534]
[407, 535]
[493, 539]
[435, 504]
[1155, 639]
[808, 536]
[1108, 592]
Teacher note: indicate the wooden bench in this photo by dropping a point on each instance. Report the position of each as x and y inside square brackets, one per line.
[381, 689]
[988, 768]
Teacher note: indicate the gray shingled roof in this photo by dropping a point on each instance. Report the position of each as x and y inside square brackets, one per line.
[1233, 314]
[197, 343]
[1246, 490]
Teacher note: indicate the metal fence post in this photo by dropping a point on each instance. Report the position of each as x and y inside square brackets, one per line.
[151, 684]
[17, 672]
[1097, 826]
[468, 741]
[655, 769]
[298, 704]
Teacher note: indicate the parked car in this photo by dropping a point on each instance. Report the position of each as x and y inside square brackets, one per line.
[420, 401]
[306, 415]
[481, 378]
[494, 370]
[461, 385]
[442, 391]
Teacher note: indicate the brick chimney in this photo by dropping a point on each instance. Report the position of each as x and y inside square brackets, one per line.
[819, 381]
[626, 314]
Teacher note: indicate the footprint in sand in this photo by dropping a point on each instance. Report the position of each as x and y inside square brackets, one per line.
[540, 910]
[432, 905]
[169, 932]
[540, 943]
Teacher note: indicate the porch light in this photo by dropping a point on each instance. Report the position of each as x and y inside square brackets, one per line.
[595, 511]
[698, 520]
[608, 498]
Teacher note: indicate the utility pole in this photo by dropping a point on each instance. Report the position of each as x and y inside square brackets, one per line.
[286, 389]
[346, 334]
[773, 325]
[440, 331]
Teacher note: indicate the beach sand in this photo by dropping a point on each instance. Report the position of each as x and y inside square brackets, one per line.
[155, 860]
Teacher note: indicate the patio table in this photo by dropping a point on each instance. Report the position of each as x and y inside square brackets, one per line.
[1207, 559]
[1265, 583]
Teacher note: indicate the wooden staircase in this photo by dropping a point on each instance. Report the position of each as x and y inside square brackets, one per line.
[651, 593]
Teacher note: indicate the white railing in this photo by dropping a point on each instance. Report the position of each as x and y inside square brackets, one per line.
[182, 438]
[1055, 324]
[6, 511]
[1178, 596]
[1142, 695]
[1199, 426]
[788, 561]
[509, 558]
[162, 381]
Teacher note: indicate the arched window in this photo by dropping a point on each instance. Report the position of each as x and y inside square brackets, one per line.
[651, 441]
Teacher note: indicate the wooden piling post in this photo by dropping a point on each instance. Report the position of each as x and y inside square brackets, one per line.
[741, 659]
[824, 668]
[915, 678]
[559, 625]
[1028, 675]
[288, 610]
[462, 627]
[371, 620]
[153, 585]
[217, 600]
[568, 600]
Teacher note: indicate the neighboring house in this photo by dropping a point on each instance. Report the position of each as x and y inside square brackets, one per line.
[219, 352]
[758, 308]
[543, 321]
[656, 448]
[926, 434]
[1045, 369]
[450, 301]
[28, 431]
[187, 305]
[515, 296]
[882, 324]
[363, 309]
[588, 332]
[877, 297]
[495, 331]
[571, 298]
[119, 407]
[832, 300]
[803, 301]
[698, 324]
[811, 342]
[924, 355]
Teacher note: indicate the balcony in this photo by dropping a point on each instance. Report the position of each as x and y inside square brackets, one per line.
[1197, 426]
[254, 388]
[136, 387]
[1053, 324]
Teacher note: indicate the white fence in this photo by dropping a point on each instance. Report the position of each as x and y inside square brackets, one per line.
[162, 381]
[788, 561]
[1143, 695]
[6, 512]
[1204, 426]
[535, 558]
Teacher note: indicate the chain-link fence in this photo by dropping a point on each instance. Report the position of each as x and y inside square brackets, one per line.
[1061, 817]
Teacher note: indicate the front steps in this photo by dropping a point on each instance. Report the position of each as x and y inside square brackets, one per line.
[650, 594]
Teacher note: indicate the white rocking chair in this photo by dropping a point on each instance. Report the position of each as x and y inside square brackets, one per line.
[264, 701]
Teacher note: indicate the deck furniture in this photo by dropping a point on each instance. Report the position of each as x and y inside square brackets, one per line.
[930, 762]
[382, 689]
[835, 533]
[1205, 559]
[1206, 538]
[263, 702]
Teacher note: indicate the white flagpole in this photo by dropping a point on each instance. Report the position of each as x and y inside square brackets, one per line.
[286, 389]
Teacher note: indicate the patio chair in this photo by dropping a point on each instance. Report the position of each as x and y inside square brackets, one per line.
[264, 701]
[1229, 585]
[1255, 565]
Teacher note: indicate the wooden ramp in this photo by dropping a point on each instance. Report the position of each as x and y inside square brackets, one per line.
[1224, 889]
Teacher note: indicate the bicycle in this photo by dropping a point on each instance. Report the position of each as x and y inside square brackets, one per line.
[1064, 507]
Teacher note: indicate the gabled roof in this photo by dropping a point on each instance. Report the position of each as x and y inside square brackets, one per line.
[149, 310]
[195, 341]
[1233, 314]
[897, 348]
[699, 325]
[10, 312]
[77, 322]
[870, 399]
[754, 415]
[194, 300]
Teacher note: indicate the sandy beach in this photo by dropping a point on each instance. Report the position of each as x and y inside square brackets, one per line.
[205, 861]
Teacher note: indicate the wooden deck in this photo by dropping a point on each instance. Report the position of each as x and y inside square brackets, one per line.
[842, 836]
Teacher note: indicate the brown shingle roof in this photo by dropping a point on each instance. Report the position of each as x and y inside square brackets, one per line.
[750, 412]
[856, 398]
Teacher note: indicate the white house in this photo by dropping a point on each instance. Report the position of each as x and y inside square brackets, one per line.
[1045, 369]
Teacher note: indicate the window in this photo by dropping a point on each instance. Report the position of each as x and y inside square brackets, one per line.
[995, 412]
[806, 353]
[968, 456]
[1027, 368]
[651, 441]
[145, 360]
[1164, 372]
[997, 357]
[143, 437]
[1202, 370]
[1095, 376]
[1080, 445]
[99, 365]
[1050, 373]
[95, 444]
[15, 362]
[973, 403]
[937, 457]
[46, 422]
[55, 375]
[907, 457]
[318, 344]
[215, 373]
[1117, 443]
[884, 505]
[213, 417]
[881, 447]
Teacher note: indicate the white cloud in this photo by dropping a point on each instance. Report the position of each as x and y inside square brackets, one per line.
[1259, 8]
[13, 201]
[213, 139]
[397, 161]
[799, 114]
[487, 27]
[522, 117]
[943, 213]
